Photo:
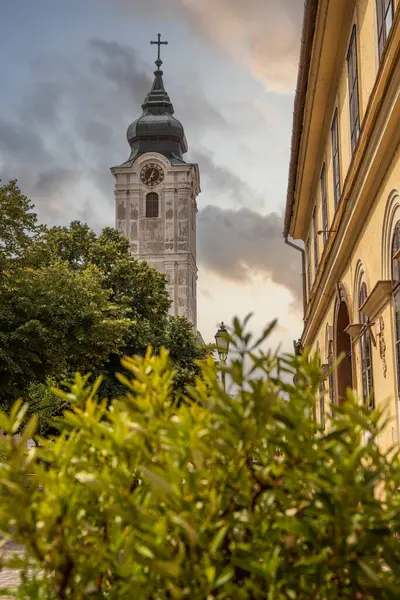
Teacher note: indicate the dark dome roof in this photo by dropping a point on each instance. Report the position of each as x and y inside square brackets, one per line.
[157, 130]
[150, 125]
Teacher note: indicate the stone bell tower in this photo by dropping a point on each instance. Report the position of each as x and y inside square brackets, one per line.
[155, 195]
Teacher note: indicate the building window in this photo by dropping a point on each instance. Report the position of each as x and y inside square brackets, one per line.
[396, 296]
[331, 383]
[308, 259]
[335, 158]
[354, 102]
[322, 404]
[152, 206]
[385, 13]
[324, 204]
[366, 351]
[315, 238]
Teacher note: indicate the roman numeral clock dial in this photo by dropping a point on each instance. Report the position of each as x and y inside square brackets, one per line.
[151, 174]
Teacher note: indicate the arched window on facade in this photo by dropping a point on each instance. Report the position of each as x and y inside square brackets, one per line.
[366, 351]
[396, 295]
[152, 205]
[343, 348]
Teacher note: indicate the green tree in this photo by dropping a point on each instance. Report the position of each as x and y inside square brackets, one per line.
[132, 283]
[135, 287]
[212, 498]
[47, 406]
[185, 350]
[18, 223]
[54, 321]
[73, 300]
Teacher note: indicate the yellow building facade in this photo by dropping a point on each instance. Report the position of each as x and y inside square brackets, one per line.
[343, 198]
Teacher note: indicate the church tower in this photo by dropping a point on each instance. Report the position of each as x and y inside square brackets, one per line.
[155, 196]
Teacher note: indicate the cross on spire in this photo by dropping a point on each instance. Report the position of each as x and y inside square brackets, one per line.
[159, 44]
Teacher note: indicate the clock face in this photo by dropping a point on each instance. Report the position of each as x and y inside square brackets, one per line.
[151, 174]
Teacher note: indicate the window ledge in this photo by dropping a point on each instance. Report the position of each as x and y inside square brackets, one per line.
[354, 331]
[377, 299]
[325, 371]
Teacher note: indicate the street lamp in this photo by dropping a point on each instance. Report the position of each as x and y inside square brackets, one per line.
[222, 342]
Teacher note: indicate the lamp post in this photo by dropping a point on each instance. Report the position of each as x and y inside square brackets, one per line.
[222, 342]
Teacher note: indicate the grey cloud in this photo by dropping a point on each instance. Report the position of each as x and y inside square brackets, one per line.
[20, 140]
[233, 243]
[50, 181]
[121, 65]
[223, 180]
[94, 131]
[263, 35]
[69, 128]
[42, 104]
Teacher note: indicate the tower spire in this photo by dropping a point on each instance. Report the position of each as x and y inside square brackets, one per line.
[159, 44]
[157, 130]
[157, 100]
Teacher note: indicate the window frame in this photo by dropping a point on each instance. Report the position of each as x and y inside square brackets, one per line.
[382, 10]
[395, 247]
[324, 204]
[354, 91]
[395, 276]
[331, 384]
[336, 157]
[152, 208]
[367, 377]
[308, 263]
[315, 240]
[322, 412]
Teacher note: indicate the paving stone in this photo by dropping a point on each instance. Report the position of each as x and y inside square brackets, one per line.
[9, 577]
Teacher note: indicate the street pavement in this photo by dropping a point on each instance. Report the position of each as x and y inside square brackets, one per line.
[9, 577]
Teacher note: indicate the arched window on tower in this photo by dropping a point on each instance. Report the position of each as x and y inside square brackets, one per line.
[366, 351]
[396, 295]
[152, 205]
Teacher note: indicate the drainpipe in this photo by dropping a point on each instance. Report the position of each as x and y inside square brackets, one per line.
[303, 274]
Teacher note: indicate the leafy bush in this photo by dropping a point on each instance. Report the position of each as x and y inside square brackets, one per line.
[46, 404]
[217, 498]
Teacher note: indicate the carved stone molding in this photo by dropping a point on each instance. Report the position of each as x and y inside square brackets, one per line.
[380, 327]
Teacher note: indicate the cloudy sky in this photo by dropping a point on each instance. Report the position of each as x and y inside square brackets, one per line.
[73, 76]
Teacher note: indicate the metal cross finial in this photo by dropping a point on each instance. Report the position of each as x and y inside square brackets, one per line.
[159, 44]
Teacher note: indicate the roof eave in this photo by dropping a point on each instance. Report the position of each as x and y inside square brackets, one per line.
[307, 40]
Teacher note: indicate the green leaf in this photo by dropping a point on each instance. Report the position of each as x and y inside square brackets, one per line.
[144, 551]
[218, 539]
[226, 575]
[156, 481]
